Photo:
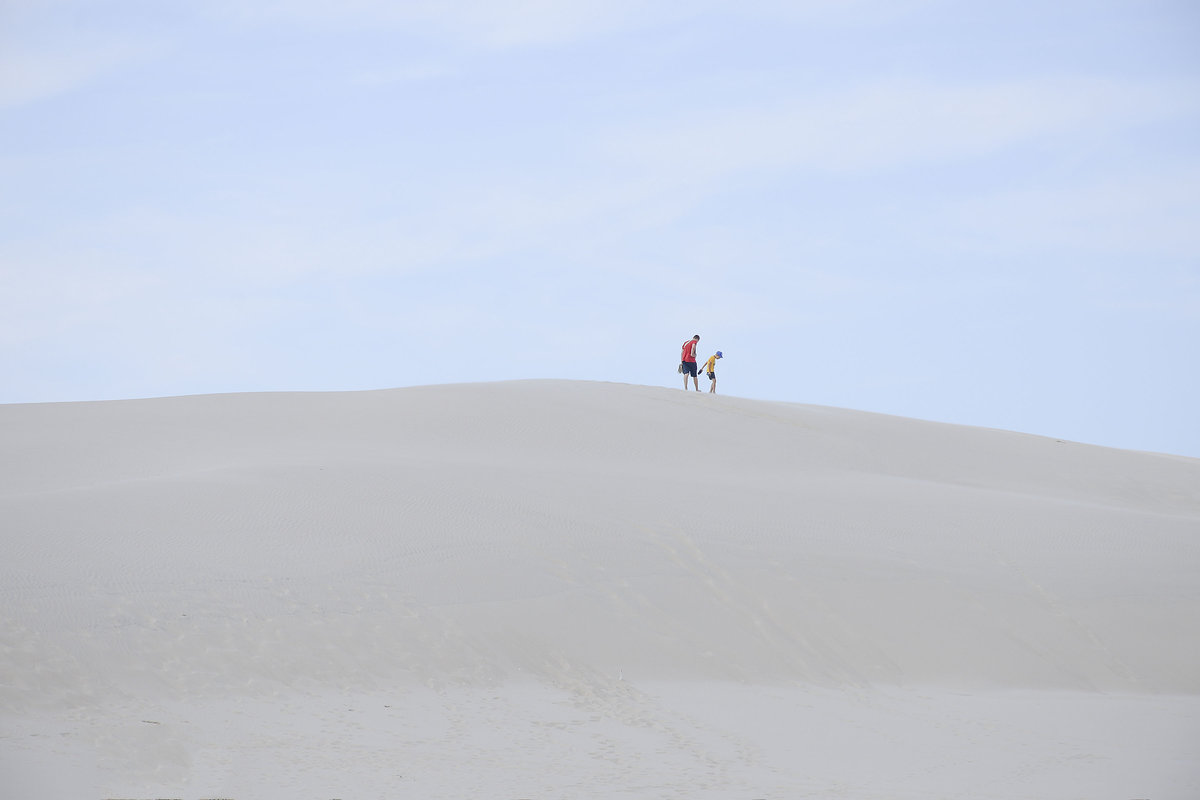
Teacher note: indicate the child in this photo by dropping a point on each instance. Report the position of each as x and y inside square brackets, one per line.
[710, 367]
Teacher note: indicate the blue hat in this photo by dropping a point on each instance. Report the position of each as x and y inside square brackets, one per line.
[719, 354]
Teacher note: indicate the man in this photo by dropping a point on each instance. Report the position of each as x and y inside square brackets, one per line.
[689, 361]
[710, 367]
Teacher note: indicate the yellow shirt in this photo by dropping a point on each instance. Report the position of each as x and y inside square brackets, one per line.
[711, 364]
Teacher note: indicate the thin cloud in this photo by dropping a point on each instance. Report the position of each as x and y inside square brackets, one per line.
[501, 23]
[520, 23]
[28, 74]
[415, 73]
[1143, 214]
[891, 125]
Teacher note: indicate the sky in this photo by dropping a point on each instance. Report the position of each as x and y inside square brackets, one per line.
[985, 213]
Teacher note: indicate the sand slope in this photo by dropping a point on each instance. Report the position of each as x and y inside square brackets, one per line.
[588, 590]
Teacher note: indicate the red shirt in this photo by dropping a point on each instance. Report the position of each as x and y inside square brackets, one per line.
[689, 350]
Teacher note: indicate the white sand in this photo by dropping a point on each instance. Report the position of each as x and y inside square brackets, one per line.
[557, 589]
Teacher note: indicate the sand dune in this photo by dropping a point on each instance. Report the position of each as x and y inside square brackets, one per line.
[563, 589]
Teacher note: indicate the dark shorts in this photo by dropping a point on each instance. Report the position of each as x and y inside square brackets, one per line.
[712, 376]
[689, 368]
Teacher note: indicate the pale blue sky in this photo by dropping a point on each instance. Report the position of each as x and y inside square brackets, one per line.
[982, 213]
